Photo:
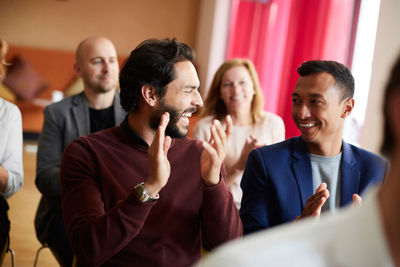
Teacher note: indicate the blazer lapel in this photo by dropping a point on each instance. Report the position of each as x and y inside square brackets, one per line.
[80, 113]
[350, 179]
[119, 113]
[301, 167]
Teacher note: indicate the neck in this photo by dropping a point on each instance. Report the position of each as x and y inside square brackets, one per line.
[100, 101]
[139, 123]
[241, 118]
[326, 148]
[389, 202]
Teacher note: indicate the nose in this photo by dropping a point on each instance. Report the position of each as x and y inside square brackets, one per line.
[302, 111]
[236, 87]
[106, 67]
[197, 100]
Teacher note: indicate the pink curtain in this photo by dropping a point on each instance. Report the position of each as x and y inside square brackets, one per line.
[280, 34]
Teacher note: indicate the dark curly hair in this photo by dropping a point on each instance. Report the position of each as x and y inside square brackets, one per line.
[151, 63]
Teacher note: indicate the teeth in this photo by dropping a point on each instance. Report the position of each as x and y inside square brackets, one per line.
[187, 115]
[308, 125]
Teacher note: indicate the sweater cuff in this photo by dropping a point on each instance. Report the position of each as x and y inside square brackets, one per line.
[216, 191]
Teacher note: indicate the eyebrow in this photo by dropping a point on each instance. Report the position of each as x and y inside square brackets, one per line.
[317, 95]
[310, 95]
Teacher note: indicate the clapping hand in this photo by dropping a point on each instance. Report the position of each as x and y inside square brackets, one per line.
[214, 151]
[315, 202]
[159, 166]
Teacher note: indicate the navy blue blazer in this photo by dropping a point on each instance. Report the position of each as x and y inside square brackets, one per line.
[278, 180]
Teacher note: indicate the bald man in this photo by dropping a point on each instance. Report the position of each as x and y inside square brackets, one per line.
[96, 108]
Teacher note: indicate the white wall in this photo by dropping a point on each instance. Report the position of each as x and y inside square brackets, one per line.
[212, 34]
[387, 48]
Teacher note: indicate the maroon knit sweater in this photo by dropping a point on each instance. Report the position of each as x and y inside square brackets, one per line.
[108, 226]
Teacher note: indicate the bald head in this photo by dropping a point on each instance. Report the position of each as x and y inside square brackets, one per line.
[89, 44]
[97, 64]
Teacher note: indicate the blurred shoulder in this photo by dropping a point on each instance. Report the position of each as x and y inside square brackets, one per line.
[8, 110]
[204, 122]
[66, 103]
[271, 118]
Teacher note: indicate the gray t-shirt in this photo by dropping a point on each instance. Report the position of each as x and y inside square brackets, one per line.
[327, 170]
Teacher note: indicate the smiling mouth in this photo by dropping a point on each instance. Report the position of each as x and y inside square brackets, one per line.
[307, 125]
[187, 115]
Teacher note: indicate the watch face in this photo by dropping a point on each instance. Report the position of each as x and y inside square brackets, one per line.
[140, 192]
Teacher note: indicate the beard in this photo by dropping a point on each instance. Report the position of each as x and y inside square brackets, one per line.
[172, 129]
[97, 86]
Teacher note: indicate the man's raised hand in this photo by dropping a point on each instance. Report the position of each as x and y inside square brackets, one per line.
[159, 166]
[214, 151]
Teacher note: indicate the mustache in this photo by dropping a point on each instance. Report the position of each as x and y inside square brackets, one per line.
[191, 110]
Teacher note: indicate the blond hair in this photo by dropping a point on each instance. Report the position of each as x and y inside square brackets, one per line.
[215, 106]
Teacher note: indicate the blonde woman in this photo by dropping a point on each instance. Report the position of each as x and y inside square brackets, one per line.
[236, 91]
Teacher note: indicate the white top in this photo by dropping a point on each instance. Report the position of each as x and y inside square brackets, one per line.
[11, 146]
[351, 237]
[268, 130]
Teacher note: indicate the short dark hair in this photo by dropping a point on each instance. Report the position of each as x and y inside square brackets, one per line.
[151, 63]
[392, 87]
[344, 80]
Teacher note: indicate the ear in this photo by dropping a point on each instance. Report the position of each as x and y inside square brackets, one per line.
[77, 70]
[149, 95]
[348, 107]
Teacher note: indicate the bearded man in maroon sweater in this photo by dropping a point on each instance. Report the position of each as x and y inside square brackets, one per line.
[143, 194]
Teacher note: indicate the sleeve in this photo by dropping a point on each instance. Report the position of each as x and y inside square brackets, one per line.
[12, 157]
[256, 201]
[50, 149]
[95, 234]
[220, 217]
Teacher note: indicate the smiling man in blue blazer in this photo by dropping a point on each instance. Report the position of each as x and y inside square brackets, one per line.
[317, 171]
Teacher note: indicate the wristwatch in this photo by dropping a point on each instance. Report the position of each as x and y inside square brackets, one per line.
[142, 194]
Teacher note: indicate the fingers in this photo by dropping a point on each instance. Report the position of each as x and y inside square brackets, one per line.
[159, 166]
[315, 202]
[218, 138]
[210, 165]
[163, 122]
[321, 187]
[160, 142]
[167, 144]
[210, 149]
[251, 140]
[160, 134]
[356, 199]
[162, 139]
[229, 126]
[319, 202]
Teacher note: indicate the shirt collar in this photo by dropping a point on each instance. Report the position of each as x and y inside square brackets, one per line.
[132, 134]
